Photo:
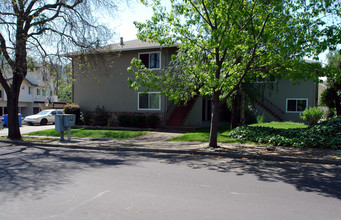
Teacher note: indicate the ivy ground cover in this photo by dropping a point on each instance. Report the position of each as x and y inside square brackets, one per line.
[326, 134]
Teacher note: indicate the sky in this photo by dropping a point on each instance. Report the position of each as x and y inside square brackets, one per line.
[136, 11]
[124, 24]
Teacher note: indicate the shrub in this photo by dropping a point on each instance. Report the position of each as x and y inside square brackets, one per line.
[124, 120]
[153, 121]
[326, 134]
[260, 119]
[138, 121]
[86, 118]
[101, 116]
[312, 115]
[73, 109]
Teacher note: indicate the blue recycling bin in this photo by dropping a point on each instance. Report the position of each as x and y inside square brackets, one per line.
[5, 119]
[20, 119]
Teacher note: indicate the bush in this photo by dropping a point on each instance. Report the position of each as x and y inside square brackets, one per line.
[124, 120]
[323, 135]
[101, 116]
[260, 119]
[73, 109]
[153, 121]
[312, 115]
[86, 118]
[138, 121]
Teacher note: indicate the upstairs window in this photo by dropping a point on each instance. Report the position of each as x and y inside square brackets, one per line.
[38, 91]
[29, 90]
[149, 101]
[151, 60]
[296, 105]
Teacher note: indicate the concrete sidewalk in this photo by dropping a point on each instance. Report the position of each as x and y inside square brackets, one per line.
[24, 129]
[157, 142]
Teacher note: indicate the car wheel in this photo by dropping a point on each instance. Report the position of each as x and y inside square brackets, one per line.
[43, 121]
[30, 123]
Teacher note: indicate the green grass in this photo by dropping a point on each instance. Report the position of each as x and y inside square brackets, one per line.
[282, 125]
[93, 133]
[203, 135]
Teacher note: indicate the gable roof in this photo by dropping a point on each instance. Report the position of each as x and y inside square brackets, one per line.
[118, 47]
[31, 83]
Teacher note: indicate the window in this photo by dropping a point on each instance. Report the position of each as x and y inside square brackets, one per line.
[0, 93]
[149, 101]
[43, 92]
[29, 90]
[38, 91]
[151, 60]
[296, 105]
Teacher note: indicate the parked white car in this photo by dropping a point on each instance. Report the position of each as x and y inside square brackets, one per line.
[43, 117]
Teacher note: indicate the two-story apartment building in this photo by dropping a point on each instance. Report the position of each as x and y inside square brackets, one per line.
[101, 79]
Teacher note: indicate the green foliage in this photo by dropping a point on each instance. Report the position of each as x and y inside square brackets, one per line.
[101, 116]
[221, 43]
[124, 120]
[312, 115]
[153, 121]
[86, 118]
[138, 121]
[323, 135]
[260, 119]
[73, 109]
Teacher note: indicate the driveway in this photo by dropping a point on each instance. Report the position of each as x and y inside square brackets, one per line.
[24, 129]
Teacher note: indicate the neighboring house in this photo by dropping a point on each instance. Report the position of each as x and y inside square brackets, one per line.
[36, 88]
[101, 80]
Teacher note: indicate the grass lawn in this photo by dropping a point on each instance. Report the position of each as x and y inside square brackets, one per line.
[204, 135]
[282, 125]
[93, 133]
[223, 135]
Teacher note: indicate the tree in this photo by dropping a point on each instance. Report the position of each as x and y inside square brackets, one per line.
[42, 28]
[331, 97]
[220, 43]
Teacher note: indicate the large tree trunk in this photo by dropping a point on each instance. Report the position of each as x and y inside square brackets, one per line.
[214, 121]
[13, 121]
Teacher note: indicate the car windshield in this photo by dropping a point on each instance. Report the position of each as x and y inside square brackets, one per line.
[43, 113]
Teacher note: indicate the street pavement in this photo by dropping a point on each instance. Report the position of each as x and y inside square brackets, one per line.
[61, 183]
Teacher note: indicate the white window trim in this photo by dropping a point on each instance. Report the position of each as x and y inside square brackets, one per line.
[286, 104]
[148, 109]
[150, 53]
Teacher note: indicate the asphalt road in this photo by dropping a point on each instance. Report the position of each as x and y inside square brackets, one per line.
[38, 183]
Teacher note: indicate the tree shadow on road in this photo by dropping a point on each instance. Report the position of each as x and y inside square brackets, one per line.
[324, 180]
[34, 170]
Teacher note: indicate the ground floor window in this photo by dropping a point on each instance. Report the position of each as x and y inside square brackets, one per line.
[149, 101]
[296, 105]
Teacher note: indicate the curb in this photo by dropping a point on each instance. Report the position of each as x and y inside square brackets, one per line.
[194, 152]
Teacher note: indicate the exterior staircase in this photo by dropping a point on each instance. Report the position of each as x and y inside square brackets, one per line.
[271, 110]
[180, 113]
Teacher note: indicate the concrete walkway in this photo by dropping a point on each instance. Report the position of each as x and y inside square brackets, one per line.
[24, 129]
[158, 142]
